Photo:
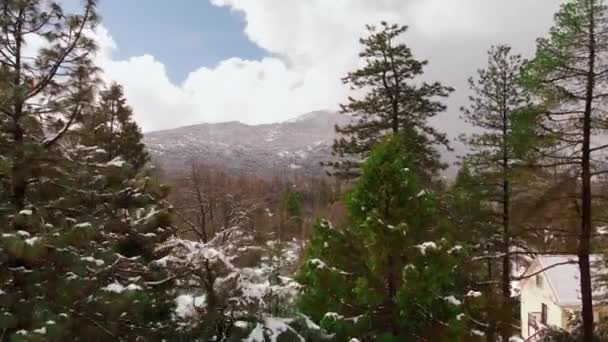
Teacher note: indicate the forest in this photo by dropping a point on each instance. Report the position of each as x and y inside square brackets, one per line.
[98, 243]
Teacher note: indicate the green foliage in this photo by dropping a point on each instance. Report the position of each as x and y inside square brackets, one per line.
[394, 101]
[556, 51]
[291, 203]
[111, 127]
[67, 265]
[80, 218]
[393, 272]
[525, 137]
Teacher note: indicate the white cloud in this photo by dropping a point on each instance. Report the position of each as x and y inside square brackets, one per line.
[313, 43]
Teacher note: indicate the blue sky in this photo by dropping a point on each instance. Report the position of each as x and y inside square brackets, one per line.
[183, 35]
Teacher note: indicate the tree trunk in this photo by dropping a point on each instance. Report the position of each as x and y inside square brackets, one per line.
[18, 169]
[391, 290]
[505, 329]
[491, 330]
[506, 269]
[584, 246]
[391, 279]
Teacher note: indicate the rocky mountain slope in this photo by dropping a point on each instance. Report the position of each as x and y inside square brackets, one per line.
[294, 147]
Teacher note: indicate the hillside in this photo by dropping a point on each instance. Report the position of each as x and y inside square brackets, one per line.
[294, 147]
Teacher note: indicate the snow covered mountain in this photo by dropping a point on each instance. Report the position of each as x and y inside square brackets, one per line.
[294, 147]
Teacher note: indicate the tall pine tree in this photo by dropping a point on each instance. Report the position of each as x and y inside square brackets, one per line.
[495, 108]
[395, 101]
[569, 73]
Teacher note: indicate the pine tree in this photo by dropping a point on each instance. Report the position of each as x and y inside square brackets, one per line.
[569, 74]
[473, 221]
[495, 107]
[395, 102]
[113, 129]
[81, 265]
[43, 93]
[76, 263]
[392, 273]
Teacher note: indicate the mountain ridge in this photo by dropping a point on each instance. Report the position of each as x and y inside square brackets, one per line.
[293, 147]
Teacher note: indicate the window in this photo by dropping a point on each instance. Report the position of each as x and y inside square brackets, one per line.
[543, 314]
[539, 281]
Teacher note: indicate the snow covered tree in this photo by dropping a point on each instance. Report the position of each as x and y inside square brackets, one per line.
[395, 102]
[80, 227]
[80, 265]
[569, 74]
[232, 280]
[393, 272]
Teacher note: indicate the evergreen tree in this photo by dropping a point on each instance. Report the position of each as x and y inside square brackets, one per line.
[495, 108]
[473, 221]
[113, 129]
[80, 266]
[290, 214]
[569, 74]
[395, 102]
[392, 273]
[78, 229]
[44, 92]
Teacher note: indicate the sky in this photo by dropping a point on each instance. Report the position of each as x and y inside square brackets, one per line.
[261, 61]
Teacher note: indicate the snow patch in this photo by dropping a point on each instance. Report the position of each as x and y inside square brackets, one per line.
[118, 288]
[32, 241]
[271, 329]
[187, 305]
[333, 316]
[41, 331]
[116, 162]
[241, 324]
[474, 294]
[424, 247]
[97, 262]
[83, 225]
[452, 300]
[454, 249]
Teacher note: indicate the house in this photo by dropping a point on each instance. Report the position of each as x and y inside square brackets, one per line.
[551, 294]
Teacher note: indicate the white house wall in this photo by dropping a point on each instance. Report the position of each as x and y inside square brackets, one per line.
[532, 299]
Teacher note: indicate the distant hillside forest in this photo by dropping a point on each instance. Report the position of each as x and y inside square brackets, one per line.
[99, 244]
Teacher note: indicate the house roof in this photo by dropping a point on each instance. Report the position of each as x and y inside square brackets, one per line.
[564, 278]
